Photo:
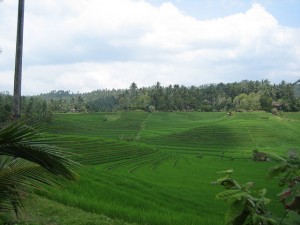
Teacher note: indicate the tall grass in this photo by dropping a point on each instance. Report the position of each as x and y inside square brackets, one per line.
[158, 178]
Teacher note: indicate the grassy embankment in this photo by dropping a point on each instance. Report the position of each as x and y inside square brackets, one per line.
[165, 162]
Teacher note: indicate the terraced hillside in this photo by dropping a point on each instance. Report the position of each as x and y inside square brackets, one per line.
[177, 133]
[239, 133]
[157, 168]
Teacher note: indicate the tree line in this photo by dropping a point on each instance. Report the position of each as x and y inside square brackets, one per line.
[244, 95]
[240, 96]
[34, 108]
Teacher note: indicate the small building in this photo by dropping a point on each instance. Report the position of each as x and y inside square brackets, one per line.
[259, 156]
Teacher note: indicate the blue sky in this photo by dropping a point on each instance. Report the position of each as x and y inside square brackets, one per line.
[86, 45]
[285, 11]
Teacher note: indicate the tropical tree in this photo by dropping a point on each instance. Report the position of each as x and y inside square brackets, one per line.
[244, 207]
[287, 172]
[25, 158]
[18, 62]
[5, 107]
[26, 161]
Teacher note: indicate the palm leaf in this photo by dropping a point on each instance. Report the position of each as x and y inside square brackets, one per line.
[19, 140]
[27, 161]
[16, 177]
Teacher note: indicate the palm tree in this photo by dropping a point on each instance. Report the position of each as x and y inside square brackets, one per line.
[26, 161]
[18, 61]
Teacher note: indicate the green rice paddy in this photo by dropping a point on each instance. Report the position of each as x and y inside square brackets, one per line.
[157, 168]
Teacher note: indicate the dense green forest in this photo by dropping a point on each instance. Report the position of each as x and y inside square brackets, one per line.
[245, 95]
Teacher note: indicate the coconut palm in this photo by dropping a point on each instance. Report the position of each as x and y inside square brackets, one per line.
[25, 158]
[18, 61]
[26, 161]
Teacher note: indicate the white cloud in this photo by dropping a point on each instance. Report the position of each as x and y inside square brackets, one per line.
[90, 44]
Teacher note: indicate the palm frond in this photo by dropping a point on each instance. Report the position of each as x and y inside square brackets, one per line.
[20, 175]
[21, 141]
[27, 160]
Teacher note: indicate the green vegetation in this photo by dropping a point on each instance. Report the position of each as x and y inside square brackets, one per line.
[5, 106]
[248, 207]
[42, 211]
[157, 168]
[244, 95]
[27, 160]
[239, 96]
[244, 207]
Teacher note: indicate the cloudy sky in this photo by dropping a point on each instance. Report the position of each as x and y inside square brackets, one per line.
[86, 45]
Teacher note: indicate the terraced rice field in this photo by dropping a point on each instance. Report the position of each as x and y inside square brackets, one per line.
[157, 168]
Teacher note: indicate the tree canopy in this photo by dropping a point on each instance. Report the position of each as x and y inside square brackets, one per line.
[244, 95]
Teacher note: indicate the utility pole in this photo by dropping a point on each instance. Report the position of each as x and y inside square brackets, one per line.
[18, 62]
